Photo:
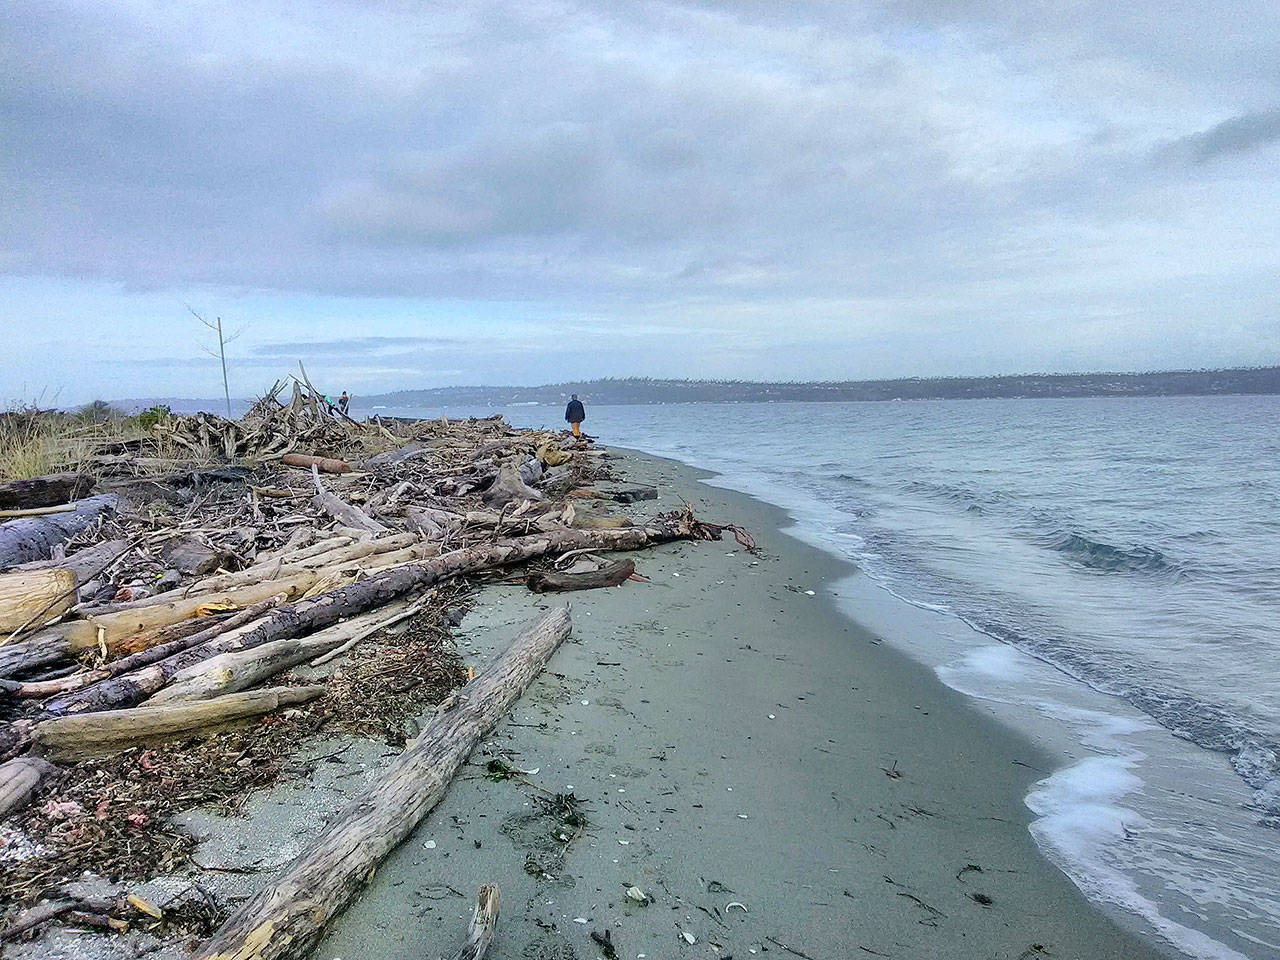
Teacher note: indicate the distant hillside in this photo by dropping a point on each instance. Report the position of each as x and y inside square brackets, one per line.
[643, 390]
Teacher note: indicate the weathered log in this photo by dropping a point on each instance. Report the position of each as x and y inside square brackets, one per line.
[114, 631]
[46, 491]
[142, 674]
[595, 521]
[26, 656]
[508, 486]
[35, 537]
[34, 596]
[484, 922]
[286, 918]
[147, 649]
[411, 450]
[607, 576]
[98, 734]
[346, 513]
[85, 564]
[14, 738]
[19, 779]
[240, 669]
[194, 558]
[277, 569]
[324, 464]
[316, 613]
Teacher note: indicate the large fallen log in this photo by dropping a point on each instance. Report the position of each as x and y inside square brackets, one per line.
[35, 537]
[287, 917]
[610, 575]
[194, 558]
[316, 613]
[46, 491]
[98, 734]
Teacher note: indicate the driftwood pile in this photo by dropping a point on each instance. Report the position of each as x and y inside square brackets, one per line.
[146, 632]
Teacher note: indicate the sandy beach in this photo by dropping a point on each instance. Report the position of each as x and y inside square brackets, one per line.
[774, 778]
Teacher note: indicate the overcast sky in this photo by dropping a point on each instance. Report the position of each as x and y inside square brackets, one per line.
[418, 194]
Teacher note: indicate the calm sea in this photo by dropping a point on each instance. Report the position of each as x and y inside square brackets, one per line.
[1102, 573]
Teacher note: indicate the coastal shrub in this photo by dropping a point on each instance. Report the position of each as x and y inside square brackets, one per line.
[148, 418]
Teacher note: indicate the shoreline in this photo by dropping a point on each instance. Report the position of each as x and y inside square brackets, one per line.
[847, 823]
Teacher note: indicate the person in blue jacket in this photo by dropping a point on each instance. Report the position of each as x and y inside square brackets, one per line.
[575, 413]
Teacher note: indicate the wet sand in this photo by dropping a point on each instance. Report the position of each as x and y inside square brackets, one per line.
[736, 741]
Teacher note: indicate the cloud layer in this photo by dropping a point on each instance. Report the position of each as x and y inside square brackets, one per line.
[915, 185]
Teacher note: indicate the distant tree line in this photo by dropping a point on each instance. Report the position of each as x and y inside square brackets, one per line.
[1252, 380]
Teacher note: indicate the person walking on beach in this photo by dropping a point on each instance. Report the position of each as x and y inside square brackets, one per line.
[575, 413]
[343, 401]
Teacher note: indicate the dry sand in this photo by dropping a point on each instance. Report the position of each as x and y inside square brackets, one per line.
[737, 741]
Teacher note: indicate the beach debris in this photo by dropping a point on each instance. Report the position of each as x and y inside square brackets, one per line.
[429, 845]
[893, 773]
[638, 895]
[605, 942]
[981, 898]
[483, 925]
[735, 903]
[610, 575]
[688, 937]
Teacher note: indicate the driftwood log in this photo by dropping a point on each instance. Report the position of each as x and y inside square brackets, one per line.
[240, 669]
[85, 564]
[98, 734]
[288, 916]
[323, 464]
[19, 779]
[46, 491]
[610, 575]
[345, 513]
[34, 596]
[35, 537]
[508, 487]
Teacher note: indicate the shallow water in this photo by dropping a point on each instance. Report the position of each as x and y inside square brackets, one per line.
[1132, 546]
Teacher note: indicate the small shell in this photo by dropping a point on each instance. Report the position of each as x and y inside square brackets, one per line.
[688, 937]
[735, 903]
[638, 895]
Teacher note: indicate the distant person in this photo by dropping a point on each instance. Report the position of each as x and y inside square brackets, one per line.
[343, 402]
[575, 413]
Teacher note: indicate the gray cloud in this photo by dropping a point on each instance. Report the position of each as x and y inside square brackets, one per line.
[703, 163]
[1240, 134]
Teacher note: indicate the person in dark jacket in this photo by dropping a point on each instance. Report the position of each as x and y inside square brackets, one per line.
[343, 401]
[575, 413]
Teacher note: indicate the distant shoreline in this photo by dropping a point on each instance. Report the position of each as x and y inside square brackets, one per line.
[1242, 381]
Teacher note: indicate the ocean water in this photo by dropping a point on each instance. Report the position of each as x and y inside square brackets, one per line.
[1103, 574]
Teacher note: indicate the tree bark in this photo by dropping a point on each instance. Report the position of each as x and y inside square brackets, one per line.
[607, 576]
[99, 734]
[287, 917]
[316, 613]
[35, 537]
[46, 491]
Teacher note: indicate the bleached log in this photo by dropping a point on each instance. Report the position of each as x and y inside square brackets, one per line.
[34, 596]
[288, 916]
[484, 923]
[238, 670]
[343, 512]
[99, 734]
